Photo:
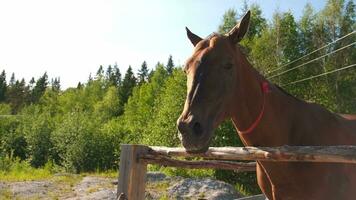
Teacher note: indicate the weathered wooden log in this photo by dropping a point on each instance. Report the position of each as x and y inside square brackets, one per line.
[132, 175]
[201, 164]
[321, 154]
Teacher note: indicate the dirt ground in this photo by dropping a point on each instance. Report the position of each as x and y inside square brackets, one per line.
[158, 186]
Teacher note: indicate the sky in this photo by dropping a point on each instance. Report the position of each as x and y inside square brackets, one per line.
[71, 38]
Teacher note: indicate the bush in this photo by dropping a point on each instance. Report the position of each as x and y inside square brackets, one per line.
[12, 142]
[37, 127]
[83, 146]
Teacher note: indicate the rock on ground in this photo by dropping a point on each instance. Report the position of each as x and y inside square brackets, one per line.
[202, 189]
[96, 188]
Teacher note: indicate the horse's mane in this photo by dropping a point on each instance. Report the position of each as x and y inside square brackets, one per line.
[286, 93]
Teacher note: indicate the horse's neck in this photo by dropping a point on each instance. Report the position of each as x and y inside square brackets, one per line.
[248, 102]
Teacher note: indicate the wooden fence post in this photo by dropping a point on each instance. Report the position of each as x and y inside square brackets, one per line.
[132, 175]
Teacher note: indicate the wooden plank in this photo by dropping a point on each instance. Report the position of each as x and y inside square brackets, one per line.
[322, 154]
[201, 164]
[132, 175]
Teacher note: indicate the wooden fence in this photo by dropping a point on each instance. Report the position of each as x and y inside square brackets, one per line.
[134, 160]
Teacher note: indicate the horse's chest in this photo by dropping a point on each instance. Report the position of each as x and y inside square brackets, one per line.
[309, 181]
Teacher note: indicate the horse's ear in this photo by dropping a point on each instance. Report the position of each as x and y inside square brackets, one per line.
[238, 32]
[192, 37]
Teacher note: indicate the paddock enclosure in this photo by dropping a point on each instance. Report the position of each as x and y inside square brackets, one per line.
[135, 158]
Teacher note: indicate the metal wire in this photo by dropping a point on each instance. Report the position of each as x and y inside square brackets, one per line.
[291, 62]
[301, 65]
[323, 74]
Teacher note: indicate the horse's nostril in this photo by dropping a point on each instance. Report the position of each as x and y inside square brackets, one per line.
[197, 129]
[181, 127]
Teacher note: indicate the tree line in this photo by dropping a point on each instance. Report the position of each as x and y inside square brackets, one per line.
[81, 128]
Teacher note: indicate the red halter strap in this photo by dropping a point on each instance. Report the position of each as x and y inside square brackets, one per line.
[265, 89]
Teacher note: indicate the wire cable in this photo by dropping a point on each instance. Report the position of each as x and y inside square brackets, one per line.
[301, 65]
[291, 62]
[323, 74]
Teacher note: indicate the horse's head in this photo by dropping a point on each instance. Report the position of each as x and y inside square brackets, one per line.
[211, 77]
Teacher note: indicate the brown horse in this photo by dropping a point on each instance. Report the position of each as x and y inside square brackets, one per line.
[222, 84]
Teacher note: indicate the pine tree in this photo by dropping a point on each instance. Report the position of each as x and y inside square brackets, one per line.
[16, 94]
[116, 76]
[100, 73]
[170, 65]
[32, 83]
[110, 76]
[12, 80]
[79, 85]
[56, 84]
[40, 88]
[125, 91]
[3, 86]
[109, 72]
[90, 79]
[143, 73]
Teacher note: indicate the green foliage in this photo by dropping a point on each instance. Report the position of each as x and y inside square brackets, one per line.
[191, 173]
[16, 170]
[139, 109]
[108, 107]
[37, 129]
[12, 143]
[5, 109]
[80, 144]
[143, 73]
[170, 65]
[162, 127]
[3, 86]
[40, 88]
[228, 22]
[126, 89]
[81, 129]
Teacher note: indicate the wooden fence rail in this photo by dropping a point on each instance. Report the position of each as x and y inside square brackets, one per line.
[134, 160]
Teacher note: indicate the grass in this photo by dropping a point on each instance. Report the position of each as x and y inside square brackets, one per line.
[18, 171]
[12, 170]
[160, 188]
[5, 194]
[22, 171]
[104, 174]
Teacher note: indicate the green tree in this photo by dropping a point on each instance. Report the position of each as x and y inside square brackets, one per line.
[228, 22]
[12, 79]
[139, 109]
[113, 76]
[100, 73]
[170, 65]
[142, 73]
[108, 107]
[257, 22]
[56, 84]
[3, 86]
[16, 95]
[37, 127]
[161, 129]
[40, 88]
[128, 83]
[78, 143]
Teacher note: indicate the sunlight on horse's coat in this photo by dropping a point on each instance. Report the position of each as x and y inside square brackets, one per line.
[222, 84]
